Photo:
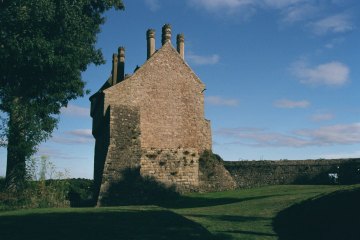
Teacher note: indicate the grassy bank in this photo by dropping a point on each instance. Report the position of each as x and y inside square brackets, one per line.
[274, 212]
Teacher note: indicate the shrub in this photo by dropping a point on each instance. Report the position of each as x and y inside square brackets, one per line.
[81, 192]
[208, 162]
[37, 191]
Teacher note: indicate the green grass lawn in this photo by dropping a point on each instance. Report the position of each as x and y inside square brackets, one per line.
[273, 212]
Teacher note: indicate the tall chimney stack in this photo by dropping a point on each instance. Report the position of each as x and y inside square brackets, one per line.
[114, 69]
[121, 65]
[180, 44]
[166, 34]
[150, 36]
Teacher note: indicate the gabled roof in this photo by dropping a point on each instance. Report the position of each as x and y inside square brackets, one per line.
[166, 46]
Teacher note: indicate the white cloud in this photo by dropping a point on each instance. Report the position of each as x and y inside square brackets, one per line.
[55, 153]
[299, 13]
[77, 111]
[77, 136]
[224, 4]
[342, 134]
[203, 60]
[322, 117]
[315, 14]
[285, 103]
[282, 3]
[219, 101]
[332, 73]
[81, 133]
[243, 4]
[67, 140]
[334, 42]
[339, 23]
[292, 9]
[335, 134]
[258, 137]
[153, 5]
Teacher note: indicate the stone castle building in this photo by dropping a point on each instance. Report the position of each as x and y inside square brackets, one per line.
[152, 120]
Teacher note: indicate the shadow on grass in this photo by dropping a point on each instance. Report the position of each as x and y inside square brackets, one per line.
[257, 234]
[135, 189]
[229, 218]
[236, 219]
[195, 202]
[105, 225]
[334, 216]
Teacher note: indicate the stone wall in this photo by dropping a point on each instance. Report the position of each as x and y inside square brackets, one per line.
[102, 141]
[178, 167]
[170, 100]
[124, 151]
[260, 173]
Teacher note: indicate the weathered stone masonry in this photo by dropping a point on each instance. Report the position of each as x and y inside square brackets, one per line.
[152, 119]
[259, 173]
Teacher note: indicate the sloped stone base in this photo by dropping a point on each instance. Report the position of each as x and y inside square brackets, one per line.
[213, 175]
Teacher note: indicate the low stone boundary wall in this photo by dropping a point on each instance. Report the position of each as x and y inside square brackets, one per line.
[259, 173]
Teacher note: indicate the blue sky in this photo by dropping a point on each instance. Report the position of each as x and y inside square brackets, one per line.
[282, 76]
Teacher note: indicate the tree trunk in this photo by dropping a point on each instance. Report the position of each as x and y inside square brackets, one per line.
[16, 151]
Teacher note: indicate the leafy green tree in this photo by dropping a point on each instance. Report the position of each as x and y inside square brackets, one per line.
[44, 47]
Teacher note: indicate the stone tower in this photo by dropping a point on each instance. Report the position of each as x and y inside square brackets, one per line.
[152, 120]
